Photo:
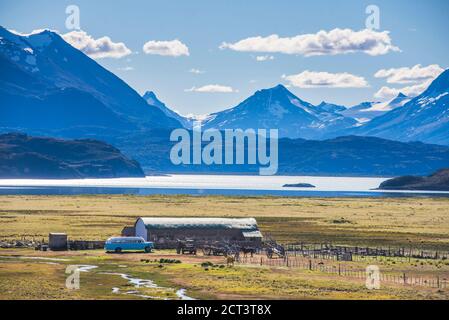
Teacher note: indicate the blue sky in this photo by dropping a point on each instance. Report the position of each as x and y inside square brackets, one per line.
[418, 29]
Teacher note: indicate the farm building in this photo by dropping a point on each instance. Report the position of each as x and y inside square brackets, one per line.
[57, 241]
[165, 232]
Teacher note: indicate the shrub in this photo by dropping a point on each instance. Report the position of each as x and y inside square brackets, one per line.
[169, 261]
[207, 264]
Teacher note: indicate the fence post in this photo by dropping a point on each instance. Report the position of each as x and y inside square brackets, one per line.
[310, 264]
[339, 269]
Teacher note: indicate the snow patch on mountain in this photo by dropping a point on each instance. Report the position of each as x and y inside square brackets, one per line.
[424, 118]
[277, 110]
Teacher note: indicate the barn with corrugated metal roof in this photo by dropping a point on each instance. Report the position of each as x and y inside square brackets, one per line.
[165, 232]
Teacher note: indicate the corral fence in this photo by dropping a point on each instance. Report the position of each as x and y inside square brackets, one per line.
[336, 252]
[85, 244]
[345, 271]
[65, 245]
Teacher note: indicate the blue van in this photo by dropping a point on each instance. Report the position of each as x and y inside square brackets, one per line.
[119, 244]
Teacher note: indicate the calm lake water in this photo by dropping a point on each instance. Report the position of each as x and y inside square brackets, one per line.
[211, 184]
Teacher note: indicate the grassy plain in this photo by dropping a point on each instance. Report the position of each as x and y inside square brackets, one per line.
[23, 276]
[417, 222]
[404, 222]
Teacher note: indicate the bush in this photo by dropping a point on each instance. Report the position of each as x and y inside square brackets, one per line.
[207, 264]
[341, 220]
[161, 260]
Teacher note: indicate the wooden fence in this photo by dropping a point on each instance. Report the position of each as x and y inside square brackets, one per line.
[329, 251]
[345, 271]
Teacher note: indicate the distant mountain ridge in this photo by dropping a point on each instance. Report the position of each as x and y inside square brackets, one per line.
[22, 156]
[278, 108]
[366, 111]
[424, 118]
[342, 156]
[48, 87]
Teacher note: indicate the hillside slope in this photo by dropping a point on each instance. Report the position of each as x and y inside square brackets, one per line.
[22, 156]
[439, 181]
[51, 88]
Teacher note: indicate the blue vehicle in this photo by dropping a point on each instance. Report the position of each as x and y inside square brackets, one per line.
[119, 244]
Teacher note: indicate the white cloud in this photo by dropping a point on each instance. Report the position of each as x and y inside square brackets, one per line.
[415, 74]
[173, 48]
[264, 58]
[312, 79]
[387, 93]
[196, 71]
[212, 88]
[126, 69]
[336, 41]
[418, 77]
[99, 48]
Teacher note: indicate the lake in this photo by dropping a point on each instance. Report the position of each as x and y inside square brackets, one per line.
[211, 185]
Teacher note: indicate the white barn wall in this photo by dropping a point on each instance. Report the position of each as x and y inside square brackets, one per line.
[141, 230]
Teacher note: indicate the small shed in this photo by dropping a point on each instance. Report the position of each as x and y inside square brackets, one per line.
[57, 241]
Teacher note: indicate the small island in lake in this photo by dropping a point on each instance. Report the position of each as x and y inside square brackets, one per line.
[298, 185]
[439, 181]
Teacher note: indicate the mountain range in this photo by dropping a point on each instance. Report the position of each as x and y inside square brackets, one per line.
[279, 108]
[348, 155]
[49, 88]
[423, 118]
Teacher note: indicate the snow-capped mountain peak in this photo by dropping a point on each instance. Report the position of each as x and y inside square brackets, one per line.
[278, 108]
[47, 84]
[43, 39]
[366, 111]
[424, 118]
[400, 100]
[330, 107]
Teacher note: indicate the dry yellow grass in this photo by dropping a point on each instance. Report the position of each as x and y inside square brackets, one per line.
[420, 222]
